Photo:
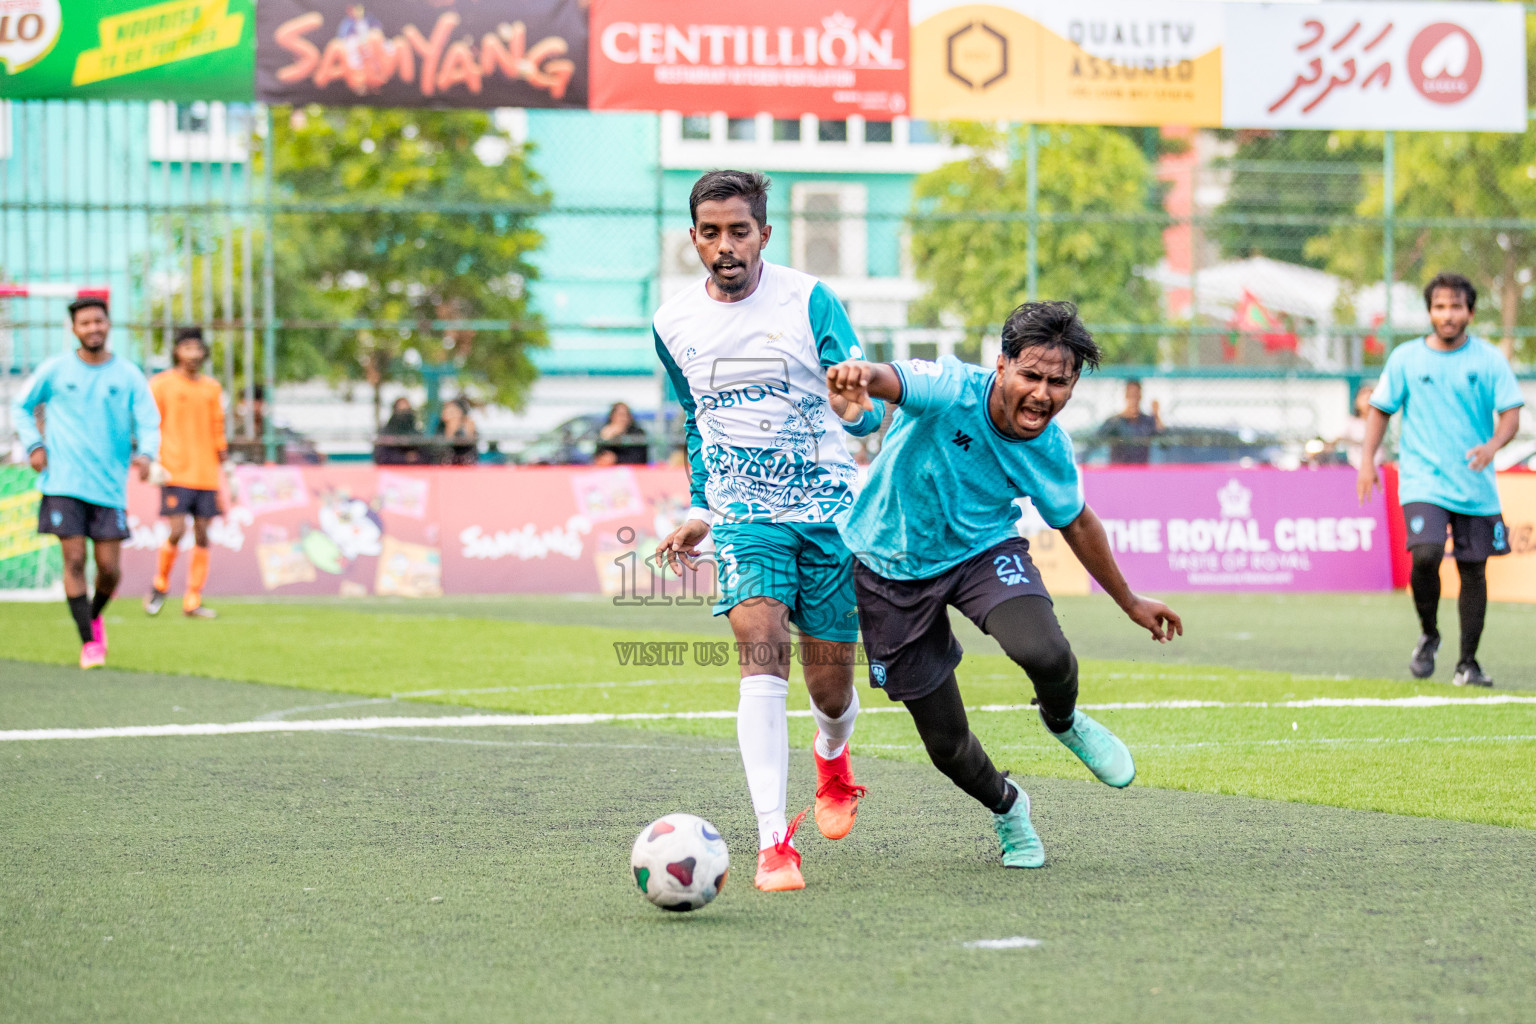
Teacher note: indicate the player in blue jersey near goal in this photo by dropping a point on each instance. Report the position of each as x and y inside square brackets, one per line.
[936, 525]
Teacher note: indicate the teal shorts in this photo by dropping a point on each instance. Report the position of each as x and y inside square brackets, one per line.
[804, 566]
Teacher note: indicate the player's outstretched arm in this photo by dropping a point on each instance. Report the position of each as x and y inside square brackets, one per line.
[854, 382]
[1375, 430]
[1086, 537]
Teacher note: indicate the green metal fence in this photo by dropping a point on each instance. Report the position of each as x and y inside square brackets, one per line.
[370, 247]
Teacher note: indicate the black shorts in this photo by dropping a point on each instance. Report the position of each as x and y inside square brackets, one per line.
[188, 501]
[1473, 538]
[905, 623]
[64, 516]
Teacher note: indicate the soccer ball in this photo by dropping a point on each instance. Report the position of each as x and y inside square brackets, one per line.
[679, 862]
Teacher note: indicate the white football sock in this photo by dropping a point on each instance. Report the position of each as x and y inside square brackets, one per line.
[762, 733]
[834, 733]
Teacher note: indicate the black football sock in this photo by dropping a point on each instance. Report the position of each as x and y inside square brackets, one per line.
[1424, 581]
[1027, 629]
[80, 611]
[1010, 795]
[954, 749]
[1473, 606]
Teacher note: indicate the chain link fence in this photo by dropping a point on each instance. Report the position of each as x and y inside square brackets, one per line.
[341, 259]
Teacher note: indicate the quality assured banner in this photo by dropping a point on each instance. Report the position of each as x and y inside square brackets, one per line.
[1095, 62]
[786, 59]
[89, 49]
[409, 53]
[1371, 65]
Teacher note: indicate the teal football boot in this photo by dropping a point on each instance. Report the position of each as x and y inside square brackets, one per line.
[1099, 749]
[1021, 845]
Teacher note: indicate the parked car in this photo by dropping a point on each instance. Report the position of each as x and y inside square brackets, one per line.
[1197, 445]
[574, 442]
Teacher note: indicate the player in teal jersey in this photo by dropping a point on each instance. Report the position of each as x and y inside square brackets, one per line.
[98, 415]
[936, 526]
[1460, 404]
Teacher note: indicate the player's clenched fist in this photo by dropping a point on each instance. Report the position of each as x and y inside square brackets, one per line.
[38, 459]
[849, 381]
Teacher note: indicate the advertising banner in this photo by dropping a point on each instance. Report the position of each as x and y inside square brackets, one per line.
[1097, 62]
[785, 59]
[359, 530]
[1365, 65]
[404, 53]
[1511, 577]
[89, 49]
[1416, 66]
[1233, 530]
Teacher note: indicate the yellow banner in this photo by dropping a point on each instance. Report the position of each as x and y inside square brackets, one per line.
[1124, 65]
[18, 526]
[152, 37]
[1511, 577]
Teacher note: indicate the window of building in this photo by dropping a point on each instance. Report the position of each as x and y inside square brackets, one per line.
[832, 131]
[741, 129]
[786, 129]
[696, 126]
[878, 131]
[921, 133]
[829, 237]
[200, 131]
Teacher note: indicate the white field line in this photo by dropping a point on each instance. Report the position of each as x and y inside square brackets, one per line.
[501, 720]
[1013, 942]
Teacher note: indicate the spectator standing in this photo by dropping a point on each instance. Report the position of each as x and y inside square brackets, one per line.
[621, 441]
[1352, 438]
[1134, 429]
[456, 427]
[397, 442]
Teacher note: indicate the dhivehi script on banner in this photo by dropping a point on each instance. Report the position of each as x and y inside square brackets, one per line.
[1364, 65]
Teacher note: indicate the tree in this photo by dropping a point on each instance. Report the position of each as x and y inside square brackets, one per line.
[1474, 176]
[975, 261]
[372, 261]
[1470, 176]
[1275, 174]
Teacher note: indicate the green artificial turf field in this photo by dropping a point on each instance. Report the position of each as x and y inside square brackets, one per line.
[442, 872]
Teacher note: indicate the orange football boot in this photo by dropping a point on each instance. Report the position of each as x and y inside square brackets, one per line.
[837, 797]
[778, 866]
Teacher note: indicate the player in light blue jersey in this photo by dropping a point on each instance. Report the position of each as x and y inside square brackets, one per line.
[1460, 404]
[98, 415]
[746, 349]
[936, 525]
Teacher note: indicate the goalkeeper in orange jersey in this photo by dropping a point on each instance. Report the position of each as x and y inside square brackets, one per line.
[192, 424]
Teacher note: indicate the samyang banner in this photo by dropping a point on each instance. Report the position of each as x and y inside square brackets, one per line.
[786, 59]
[119, 49]
[406, 53]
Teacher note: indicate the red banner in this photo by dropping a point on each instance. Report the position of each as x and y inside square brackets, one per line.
[360, 530]
[785, 59]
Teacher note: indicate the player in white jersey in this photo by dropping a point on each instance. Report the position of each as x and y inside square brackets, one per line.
[747, 349]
